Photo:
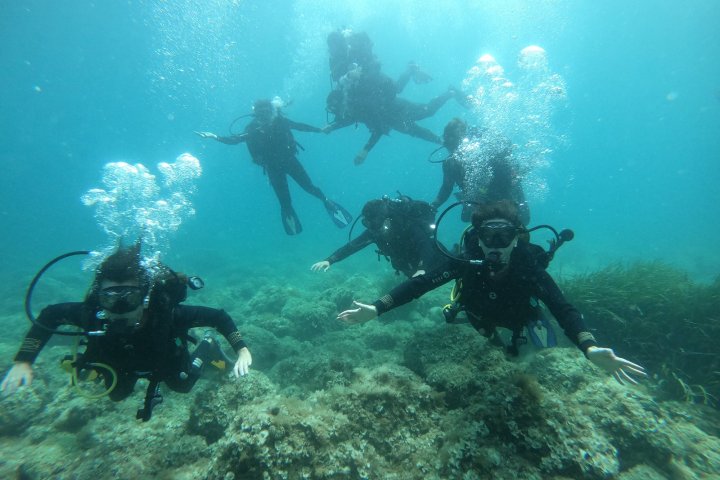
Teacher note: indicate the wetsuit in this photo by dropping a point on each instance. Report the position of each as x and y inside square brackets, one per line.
[410, 248]
[273, 146]
[372, 100]
[507, 299]
[158, 349]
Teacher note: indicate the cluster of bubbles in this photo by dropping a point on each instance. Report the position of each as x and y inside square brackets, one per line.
[522, 111]
[192, 39]
[132, 205]
[478, 153]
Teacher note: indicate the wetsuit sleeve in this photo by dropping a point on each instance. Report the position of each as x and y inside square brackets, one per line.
[416, 287]
[452, 174]
[354, 246]
[233, 139]
[303, 127]
[446, 187]
[190, 316]
[338, 124]
[569, 318]
[373, 140]
[52, 317]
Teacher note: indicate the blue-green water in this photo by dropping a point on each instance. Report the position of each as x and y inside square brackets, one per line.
[630, 162]
[85, 83]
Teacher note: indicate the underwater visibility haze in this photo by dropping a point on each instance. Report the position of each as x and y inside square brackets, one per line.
[613, 112]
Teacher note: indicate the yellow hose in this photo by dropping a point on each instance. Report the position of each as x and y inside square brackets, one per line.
[76, 382]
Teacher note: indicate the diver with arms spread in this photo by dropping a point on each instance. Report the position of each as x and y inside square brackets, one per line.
[401, 228]
[272, 145]
[503, 277]
[136, 328]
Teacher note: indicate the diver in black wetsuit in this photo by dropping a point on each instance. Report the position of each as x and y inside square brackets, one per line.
[401, 229]
[139, 331]
[503, 182]
[501, 288]
[369, 103]
[271, 144]
[363, 94]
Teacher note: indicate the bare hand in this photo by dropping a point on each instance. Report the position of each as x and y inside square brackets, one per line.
[320, 266]
[361, 314]
[206, 135]
[242, 366]
[360, 157]
[20, 374]
[621, 369]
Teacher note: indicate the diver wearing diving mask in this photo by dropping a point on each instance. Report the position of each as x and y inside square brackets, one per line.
[502, 277]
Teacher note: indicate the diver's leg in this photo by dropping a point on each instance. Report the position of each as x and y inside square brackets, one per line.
[340, 217]
[415, 130]
[124, 386]
[184, 377]
[419, 111]
[279, 183]
[298, 173]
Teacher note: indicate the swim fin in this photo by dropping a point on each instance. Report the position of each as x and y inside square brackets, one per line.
[541, 333]
[291, 222]
[207, 351]
[338, 214]
[462, 99]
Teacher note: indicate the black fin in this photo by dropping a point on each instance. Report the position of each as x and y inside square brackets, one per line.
[339, 215]
[291, 222]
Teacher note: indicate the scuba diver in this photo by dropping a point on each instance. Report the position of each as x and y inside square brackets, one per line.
[363, 94]
[369, 103]
[502, 279]
[271, 144]
[135, 328]
[401, 228]
[348, 49]
[503, 181]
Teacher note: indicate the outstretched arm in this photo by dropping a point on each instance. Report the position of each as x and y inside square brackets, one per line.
[623, 370]
[20, 374]
[573, 324]
[337, 125]
[231, 140]
[354, 246]
[407, 291]
[362, 154]
[52, 316]
[363, 313]
[446, 188]
[303, 127]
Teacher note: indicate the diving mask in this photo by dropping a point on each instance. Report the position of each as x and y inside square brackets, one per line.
[376, 224]
[497, 233]
[497, 239]
[120, 299]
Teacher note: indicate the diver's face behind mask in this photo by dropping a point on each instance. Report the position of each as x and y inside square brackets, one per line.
[497, 237]
[120, 298]
[264, 111]
[377, 225]
[122, 306]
